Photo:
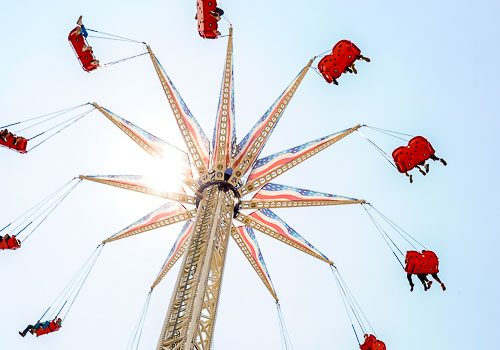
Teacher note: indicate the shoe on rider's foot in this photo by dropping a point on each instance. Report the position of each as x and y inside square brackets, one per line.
[411, 288]
[429, 285]
[22, 334]
[443, 161]
[443, 287]
[79, 22]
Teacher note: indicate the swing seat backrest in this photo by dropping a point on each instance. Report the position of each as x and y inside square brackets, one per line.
[421, 149]
[326, 66]
[345, 53]
[412, 259]
[378, 345]
[430, 262]
[401, 158]
[207, 23]
[77, 42]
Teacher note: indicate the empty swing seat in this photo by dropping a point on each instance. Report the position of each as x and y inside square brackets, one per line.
[416, 153]
[426, 262]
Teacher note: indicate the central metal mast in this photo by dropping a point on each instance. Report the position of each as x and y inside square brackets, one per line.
[193, 307]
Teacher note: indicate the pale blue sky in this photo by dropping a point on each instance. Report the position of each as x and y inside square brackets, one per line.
[433, 73]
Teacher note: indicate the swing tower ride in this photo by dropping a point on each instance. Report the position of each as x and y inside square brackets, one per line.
[227, 172]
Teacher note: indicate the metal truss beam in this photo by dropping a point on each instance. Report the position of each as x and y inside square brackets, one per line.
[257, 183]
[178, 197]
[255, 224]
[190, 321]
[261, 204]
[188, 214]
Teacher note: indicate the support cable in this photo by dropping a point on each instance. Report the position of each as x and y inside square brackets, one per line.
[44, 314]
[136, 337]
[219, 3]
[385, 236]
[344, 299]
[57, 132]
[286, 343]
[380, 150]
[64, 295]
[115, 36]
[96, 254]
[123, 59]
[398, 229]
[317, 72]
[53, 116]
[323, 53]
[357, 305]
[102, 37]
[78, 116]
[59, 201]
[352, 305]
[389, 132]
[35, 207]
[62, 111]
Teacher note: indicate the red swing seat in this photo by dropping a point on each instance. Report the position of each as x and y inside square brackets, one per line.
[11, 143]
[53, 327]
[11, 243]
[207, 24]
[416, 153]
[78, 42]
[344, 53]
[426, 262]
[371, 343]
